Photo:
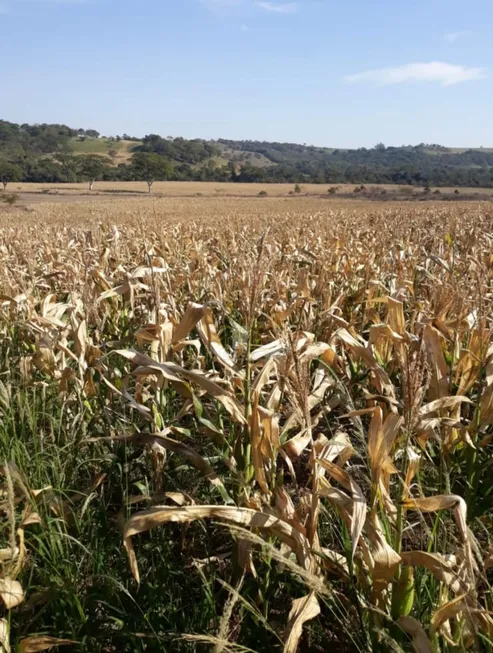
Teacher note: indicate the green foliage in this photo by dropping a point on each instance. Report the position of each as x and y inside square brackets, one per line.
[248, 161]
[151, 167]
[179, 149]
[9, 172]
[92, 167]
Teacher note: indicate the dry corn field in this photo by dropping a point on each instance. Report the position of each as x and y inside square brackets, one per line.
[246, 425]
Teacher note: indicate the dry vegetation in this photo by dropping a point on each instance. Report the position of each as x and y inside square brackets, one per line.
[219, 189]
[253, 425]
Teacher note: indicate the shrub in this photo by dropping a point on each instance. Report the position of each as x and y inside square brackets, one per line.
[9, 198]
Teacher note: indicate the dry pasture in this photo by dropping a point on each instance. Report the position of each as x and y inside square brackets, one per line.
[214, 189]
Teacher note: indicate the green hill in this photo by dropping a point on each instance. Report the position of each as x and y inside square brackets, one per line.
[53, 152]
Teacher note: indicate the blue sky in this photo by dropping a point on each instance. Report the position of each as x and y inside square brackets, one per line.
[344, 73]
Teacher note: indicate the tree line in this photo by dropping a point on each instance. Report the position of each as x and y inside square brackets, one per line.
[45, 153]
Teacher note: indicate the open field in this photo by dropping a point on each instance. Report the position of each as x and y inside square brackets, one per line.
[245, 422]
[59, 192]
[90, 210]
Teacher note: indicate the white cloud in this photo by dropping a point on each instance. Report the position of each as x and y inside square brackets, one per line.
[452, 37]
[445, 74]
[278, 8]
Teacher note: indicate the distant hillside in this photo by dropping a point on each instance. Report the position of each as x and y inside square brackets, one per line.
[52, 152]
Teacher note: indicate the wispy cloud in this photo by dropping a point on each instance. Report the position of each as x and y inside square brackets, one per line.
[452, 37]
[278, 8]
[445, 74]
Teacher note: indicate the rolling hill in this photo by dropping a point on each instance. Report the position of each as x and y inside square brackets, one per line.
[53, 152]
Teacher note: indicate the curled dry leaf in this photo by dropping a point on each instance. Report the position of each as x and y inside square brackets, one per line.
[444, 402]
[442, 502]
[174, 373]
[158, 516]
[448, 611]
[302, 610]
[11, 592]
[439, 566]
[411, 626]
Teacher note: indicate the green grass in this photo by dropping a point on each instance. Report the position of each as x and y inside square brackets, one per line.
[95, 146]
[77, 582]
[103, 146]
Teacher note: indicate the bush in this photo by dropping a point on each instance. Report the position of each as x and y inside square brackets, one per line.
[9, 198]
[263, 193]
[333, 190]
[297, 188]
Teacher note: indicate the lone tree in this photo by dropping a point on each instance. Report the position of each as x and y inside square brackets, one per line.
[151, 167]
[92, 167]
[9, 172]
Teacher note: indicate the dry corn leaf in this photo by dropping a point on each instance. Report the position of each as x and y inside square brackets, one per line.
[42, 643]
[444, 402]
[411, 626]
[446, 612]
[4, 636]
[11, 592]
[192, 315]
[256, 442]
[295, 447]
[8, 554]
[358, 512]
[439, 566]
[208, 335]
[173, 372]
[439, 381]
[442, 502]
[302, 610]
[144, 521]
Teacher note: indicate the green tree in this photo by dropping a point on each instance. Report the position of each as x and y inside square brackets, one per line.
[9, 172]
[151, 167]
[92, 167]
